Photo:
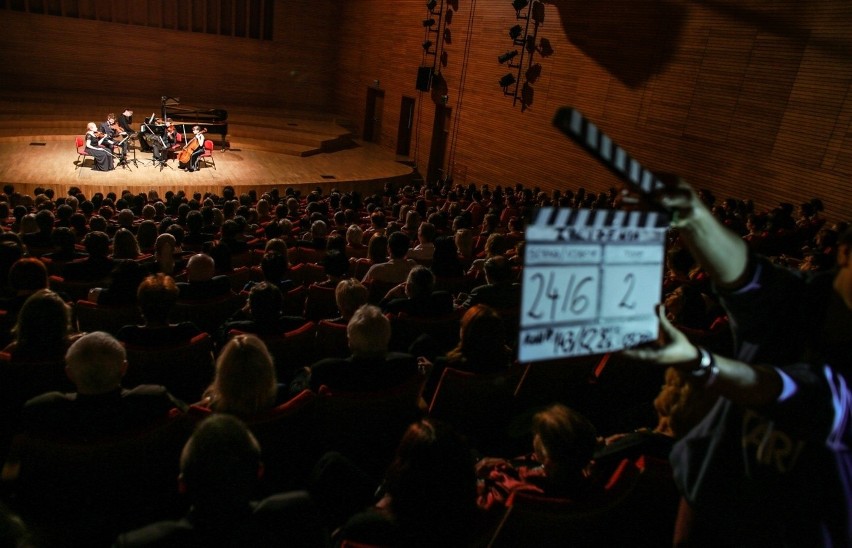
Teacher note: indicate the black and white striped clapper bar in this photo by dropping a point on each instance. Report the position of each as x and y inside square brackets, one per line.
[591, 282]
[585, 133]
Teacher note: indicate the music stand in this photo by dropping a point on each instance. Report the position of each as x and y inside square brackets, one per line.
[164, 155]
[131, 147]
[123, 156]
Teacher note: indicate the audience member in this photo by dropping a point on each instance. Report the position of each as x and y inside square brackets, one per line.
[124, 245]
[563, 444]
[245, 383]
[350, 295]
[202, 281]
[396, 268]
[370, 367]
[220, 471]
[416, 296]
[26, 276]
[336, 267]
[97, 265]
[446, 262]
[100, 407]
[124, 280]
[156, 297]
[263, 315]
[500, 291]
[377, 253]
[428, 497]
[424, 250]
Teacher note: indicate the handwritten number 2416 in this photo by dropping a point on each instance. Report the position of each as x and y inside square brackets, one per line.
[574, 300]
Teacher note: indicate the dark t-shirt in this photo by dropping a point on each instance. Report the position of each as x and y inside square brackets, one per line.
[81, 417]
[172, 335]
[355, 374]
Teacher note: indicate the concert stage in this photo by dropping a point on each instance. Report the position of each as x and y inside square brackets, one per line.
[264, 151]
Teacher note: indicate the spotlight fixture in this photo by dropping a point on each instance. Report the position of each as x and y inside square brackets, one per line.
[427, 44]
[544, 48]
[507, 56]
[519, 4]
[515, 32]
[430, 5]
[428, 22]
[507, 81]
[538, 13]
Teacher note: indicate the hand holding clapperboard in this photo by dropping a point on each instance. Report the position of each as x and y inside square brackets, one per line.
[592, 279]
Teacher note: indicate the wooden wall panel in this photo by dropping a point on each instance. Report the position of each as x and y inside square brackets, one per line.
[744, 97]
[741, 97]
[296, 70]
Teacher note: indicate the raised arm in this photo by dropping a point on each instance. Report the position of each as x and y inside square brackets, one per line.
[719, 251]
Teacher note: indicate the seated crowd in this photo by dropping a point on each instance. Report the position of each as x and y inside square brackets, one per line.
[300, 301]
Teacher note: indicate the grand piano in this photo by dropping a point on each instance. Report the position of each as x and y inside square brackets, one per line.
[214, 120]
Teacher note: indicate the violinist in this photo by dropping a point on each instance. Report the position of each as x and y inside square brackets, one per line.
[94, 146]
[162, 146]
[195, 147]
[113, 131]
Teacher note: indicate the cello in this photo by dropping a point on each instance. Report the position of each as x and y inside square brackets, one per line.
[186, 152]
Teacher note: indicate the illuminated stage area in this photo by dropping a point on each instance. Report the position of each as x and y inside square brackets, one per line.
[263, 150]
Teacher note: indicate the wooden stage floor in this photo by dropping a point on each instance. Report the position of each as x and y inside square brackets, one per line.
[53, 164]
[266, 148]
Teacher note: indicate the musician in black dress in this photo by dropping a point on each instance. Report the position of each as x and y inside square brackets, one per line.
[102, 156]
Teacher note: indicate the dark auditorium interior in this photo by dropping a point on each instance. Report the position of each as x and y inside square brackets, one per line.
[334, 124]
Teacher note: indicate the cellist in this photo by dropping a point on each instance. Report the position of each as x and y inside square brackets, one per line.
[195, 147]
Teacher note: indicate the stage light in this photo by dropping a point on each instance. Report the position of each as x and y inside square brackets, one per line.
[430, 5]
[427, 44]
[507, 56]
[538, 12]
[507, 81]
[428, 22]
[515, 32]
[519, 4]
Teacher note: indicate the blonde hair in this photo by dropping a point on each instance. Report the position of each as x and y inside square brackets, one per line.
[369, 331]
[245, 382]
[349, 295]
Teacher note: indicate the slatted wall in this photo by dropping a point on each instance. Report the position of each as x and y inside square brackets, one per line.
[745, 97]
[103, 58]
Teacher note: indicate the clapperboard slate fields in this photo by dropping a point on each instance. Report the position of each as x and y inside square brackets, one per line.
[592, 279]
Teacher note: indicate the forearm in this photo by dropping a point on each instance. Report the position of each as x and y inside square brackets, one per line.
[719, 251]
[747, 385]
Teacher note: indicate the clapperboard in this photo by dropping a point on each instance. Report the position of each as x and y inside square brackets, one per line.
[592, 279]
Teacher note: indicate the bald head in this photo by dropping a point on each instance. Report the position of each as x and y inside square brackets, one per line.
[200, 267]
[95, 363]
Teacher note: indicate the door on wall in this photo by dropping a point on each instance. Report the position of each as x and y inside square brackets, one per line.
[373, 115]
[438, 148]
[406, 120]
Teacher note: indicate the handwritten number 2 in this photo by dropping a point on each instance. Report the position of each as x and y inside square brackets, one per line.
[630, 280]
[532, 312]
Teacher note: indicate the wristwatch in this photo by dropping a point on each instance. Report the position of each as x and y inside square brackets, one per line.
[706, 371]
